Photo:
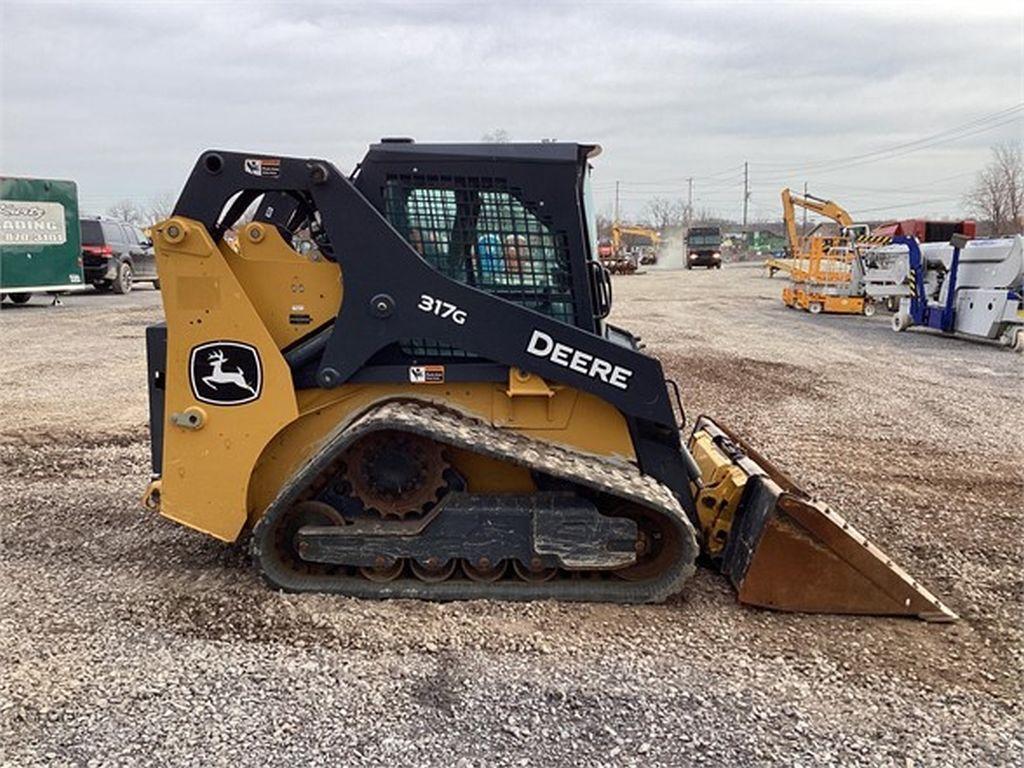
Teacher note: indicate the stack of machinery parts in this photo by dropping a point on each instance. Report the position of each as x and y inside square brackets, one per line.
[614, 259]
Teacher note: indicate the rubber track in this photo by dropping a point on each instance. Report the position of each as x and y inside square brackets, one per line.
[615, 477]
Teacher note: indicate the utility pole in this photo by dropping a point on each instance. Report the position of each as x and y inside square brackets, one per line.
[803, 228]
[746, 191]
[689, 202]
[616, 202]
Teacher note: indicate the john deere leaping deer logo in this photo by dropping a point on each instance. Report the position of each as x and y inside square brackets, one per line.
[225, 373]
[236, 377]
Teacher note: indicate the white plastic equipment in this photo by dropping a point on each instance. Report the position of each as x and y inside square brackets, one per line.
[988, 285]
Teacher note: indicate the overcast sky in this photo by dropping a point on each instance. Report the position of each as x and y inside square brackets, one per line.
[122, 97]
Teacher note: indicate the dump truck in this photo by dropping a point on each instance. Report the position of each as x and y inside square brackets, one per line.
[703, 247]
[40, 245]
[388, 406]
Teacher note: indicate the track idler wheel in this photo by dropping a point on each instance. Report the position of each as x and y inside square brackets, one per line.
[657, 543]
[283, 535]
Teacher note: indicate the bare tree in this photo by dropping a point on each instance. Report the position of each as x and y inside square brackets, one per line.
[159, 208]
[662, 213]
[998, 192]
[707, 216]
[497, 136]
[986, 199]
[1009, 159]
[127, 210]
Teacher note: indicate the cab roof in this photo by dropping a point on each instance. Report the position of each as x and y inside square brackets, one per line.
[544, 152]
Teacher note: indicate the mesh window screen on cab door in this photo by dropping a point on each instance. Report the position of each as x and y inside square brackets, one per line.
[480, 232]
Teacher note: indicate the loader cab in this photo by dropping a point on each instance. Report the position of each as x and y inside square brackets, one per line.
[511, 221]
[514, 220]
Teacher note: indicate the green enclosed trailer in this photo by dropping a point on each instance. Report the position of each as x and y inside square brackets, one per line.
[40, 244]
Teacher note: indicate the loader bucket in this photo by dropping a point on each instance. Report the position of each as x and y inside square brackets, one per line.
[783, 549]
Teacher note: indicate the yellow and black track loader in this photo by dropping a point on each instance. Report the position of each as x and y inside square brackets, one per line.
[402, 384]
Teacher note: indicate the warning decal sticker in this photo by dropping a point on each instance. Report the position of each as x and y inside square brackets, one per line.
[426, 374]
[267, 167]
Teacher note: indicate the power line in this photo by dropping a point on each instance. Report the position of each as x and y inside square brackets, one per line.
[906, 205]
[724, 181]
[780, 173]
[656, 186]
[966, 130]
[998, 115]
[922, 186]
[737, 173]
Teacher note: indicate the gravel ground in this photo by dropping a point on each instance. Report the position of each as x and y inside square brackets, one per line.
[125, 639]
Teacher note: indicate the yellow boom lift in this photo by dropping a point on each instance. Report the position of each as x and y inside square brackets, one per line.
[821, 273]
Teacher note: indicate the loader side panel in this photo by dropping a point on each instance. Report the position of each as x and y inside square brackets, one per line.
[228, 389]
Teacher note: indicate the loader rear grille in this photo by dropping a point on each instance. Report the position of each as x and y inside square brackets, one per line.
[480, 231]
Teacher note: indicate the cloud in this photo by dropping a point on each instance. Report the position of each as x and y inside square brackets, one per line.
[122, 97]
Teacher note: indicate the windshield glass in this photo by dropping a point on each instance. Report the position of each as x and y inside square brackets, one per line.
[704, 239]
[92, 233]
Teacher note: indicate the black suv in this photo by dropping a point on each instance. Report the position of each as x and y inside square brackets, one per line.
[116, 255]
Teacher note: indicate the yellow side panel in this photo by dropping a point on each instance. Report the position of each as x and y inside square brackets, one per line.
[291, 293]
[486, 475]
[206, 471]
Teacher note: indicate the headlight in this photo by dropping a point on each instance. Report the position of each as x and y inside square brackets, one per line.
[716, 255]
[693, 255]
